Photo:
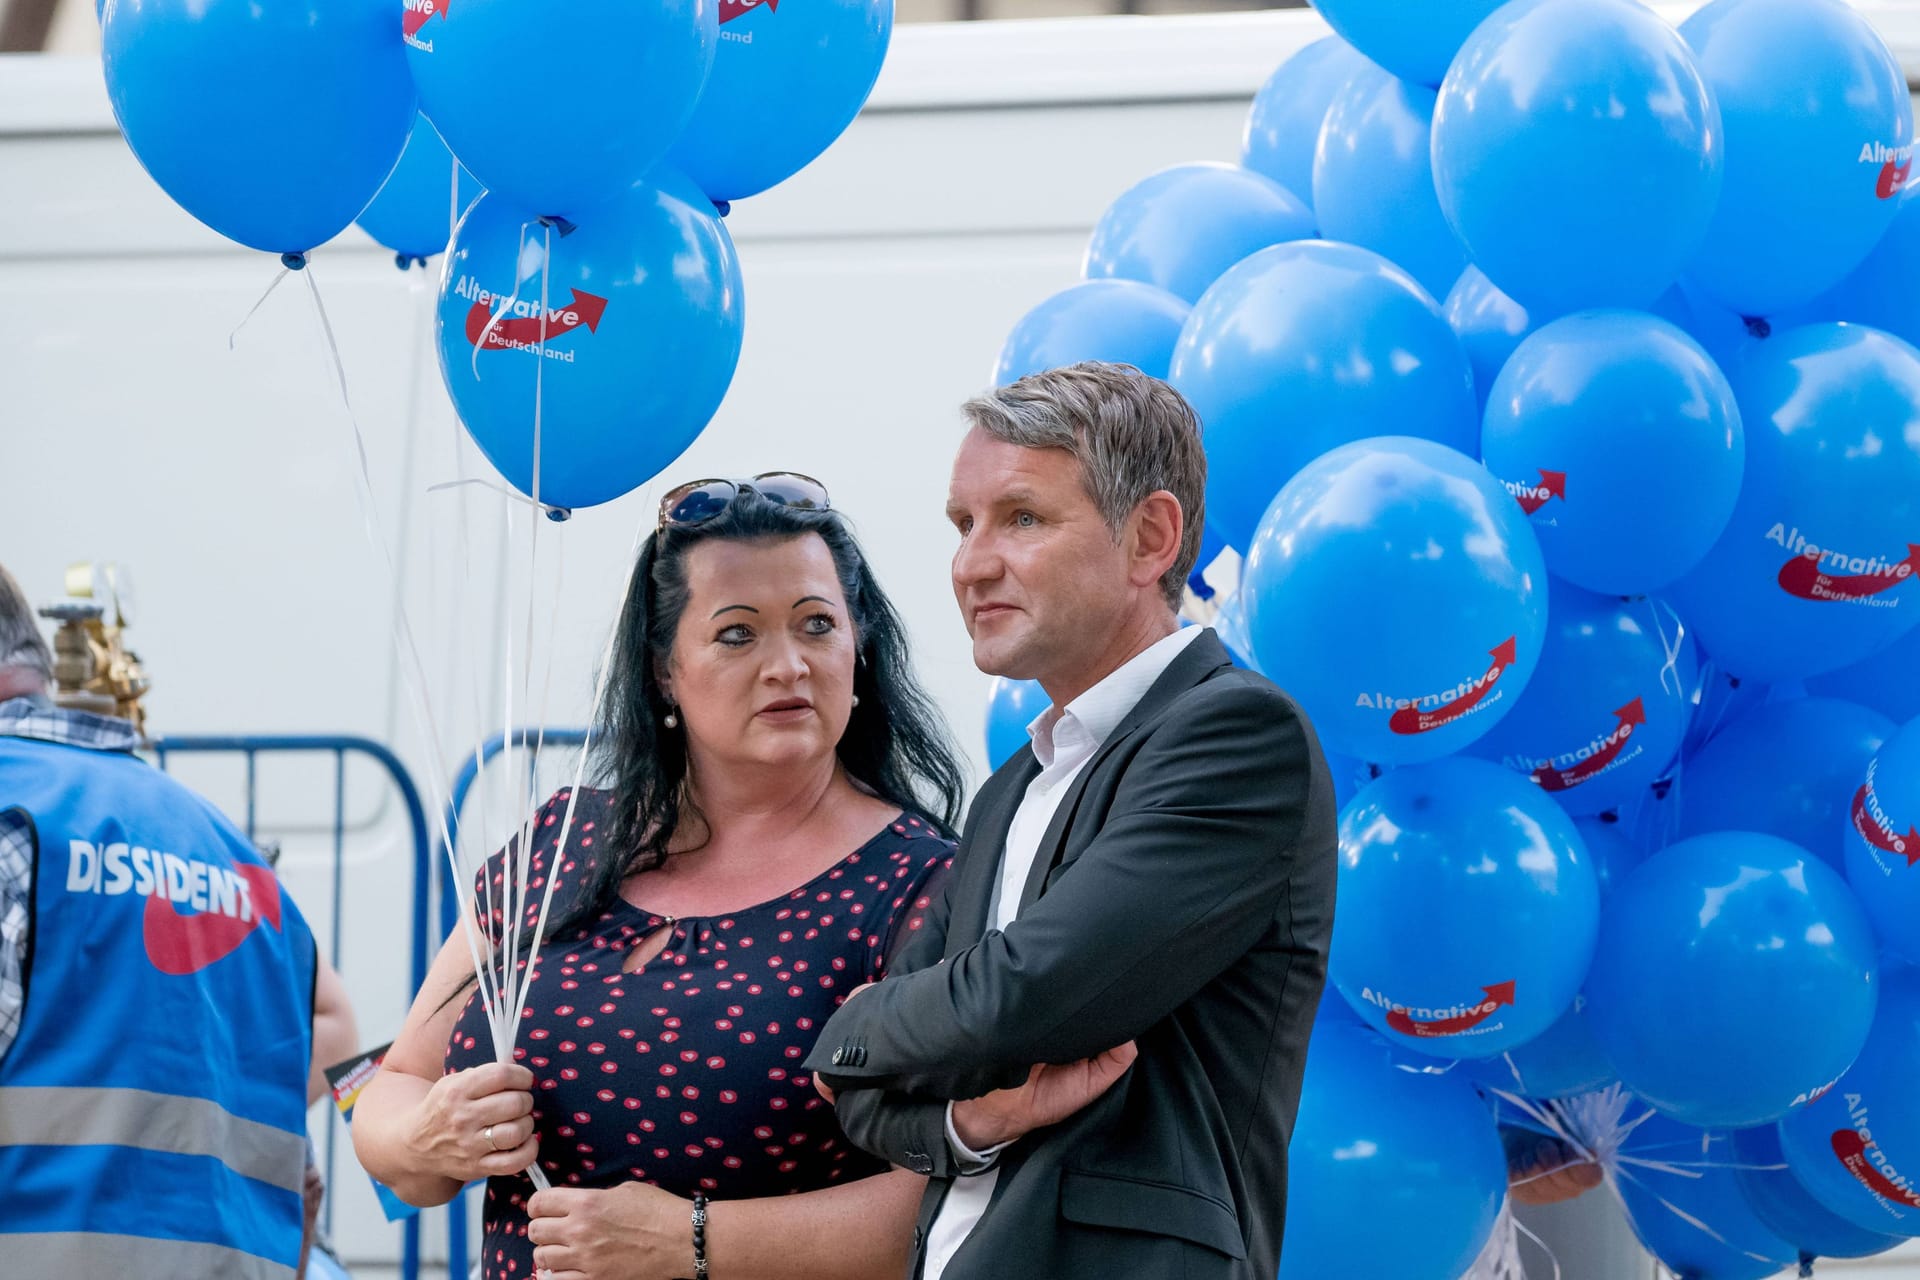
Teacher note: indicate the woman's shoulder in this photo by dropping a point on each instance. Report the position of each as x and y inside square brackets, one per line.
[907, 851]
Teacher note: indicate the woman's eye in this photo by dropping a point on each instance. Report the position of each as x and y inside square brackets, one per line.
[821, 624]
[735, 635]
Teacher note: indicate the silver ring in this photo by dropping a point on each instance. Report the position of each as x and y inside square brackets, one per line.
[487, 1133]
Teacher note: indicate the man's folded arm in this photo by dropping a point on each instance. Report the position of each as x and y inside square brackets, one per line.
[1187, 873]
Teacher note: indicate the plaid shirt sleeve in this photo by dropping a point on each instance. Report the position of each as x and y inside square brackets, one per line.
[16, 890]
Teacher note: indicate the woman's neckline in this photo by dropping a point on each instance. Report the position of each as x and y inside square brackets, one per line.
[902, 819]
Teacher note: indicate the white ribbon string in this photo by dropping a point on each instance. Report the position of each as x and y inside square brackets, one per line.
[412, 668]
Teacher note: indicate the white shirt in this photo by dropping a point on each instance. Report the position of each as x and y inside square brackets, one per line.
[1063, 742]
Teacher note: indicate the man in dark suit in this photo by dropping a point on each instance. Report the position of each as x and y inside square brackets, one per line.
[1142, 901]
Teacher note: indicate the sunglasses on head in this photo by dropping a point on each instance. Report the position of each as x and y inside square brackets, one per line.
[699, 501]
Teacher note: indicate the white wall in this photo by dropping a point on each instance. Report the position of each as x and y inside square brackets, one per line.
[879, 285]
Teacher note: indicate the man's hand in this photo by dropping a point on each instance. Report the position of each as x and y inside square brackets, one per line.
[1544, 1170]
[629, 1232]
[1050, 1095]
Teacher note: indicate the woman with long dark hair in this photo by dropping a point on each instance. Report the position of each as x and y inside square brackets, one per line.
[775, 802]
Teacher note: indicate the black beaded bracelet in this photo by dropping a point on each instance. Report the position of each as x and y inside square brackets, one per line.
[699, 1236]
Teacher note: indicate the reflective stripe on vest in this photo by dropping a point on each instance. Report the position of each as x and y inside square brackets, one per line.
[38, 1116]
[95, 1254]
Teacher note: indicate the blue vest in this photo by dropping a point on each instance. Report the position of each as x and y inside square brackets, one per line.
[153, 1107]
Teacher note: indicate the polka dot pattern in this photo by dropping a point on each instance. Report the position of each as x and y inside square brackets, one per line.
[685, 1072]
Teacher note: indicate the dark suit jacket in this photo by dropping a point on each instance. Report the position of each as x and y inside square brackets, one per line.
[1182, 898]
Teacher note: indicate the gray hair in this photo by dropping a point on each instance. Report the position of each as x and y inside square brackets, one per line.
[1132, 434]
[21, 644]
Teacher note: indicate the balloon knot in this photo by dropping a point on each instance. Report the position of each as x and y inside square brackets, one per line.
[1197, 583]
[723, 207]
[1806, 1265]
[558, 223]
[1757, 326]
[559, 515]
[294, 261]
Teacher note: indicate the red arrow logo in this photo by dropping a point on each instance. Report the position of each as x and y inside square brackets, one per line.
[1631, 716]
[418, 11]
[1852, 1150]
[1907, 846]
[1801, 576]
[1553, 484]
[1496, 995]
[1414, 720]
[731, 9]
[1893, 177]
[522, 331]
[178, 944]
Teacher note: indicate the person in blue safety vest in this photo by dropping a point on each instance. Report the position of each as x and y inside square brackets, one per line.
[156, 1006]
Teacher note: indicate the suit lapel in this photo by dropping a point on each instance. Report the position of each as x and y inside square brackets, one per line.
[986, 849]
[1201, 658]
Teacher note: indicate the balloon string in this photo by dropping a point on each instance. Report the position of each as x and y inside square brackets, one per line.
[1595, 1126]
[233, 338]
[505, 491]
[412, 668]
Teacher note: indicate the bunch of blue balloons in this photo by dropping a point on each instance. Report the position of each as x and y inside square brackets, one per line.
[590, 318]
[1555, 374]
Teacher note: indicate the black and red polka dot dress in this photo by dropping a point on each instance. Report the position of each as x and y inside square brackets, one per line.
[685, 1072]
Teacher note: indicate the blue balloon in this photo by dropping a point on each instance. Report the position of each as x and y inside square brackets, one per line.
[1787, 768]
[1621, 439]
[1815, 569]
[1878, 292]
[1467, 909]
[1884, 682]
[1181, 228]
[1429, 531]
[1489, 325]
[1611, 850]
[1819, 138]
[1377, 1145]
[1734, 979]
[1786, 1208]
[1305, 347]
[1576, 151]
[1284, 125]
[1349, 776]
[1415, 42]
[1882, 842]
[641, 335]
[1854, 1149]
[415, 211]
[1692, 1171]
[1373, 178]
[1119, 321]
[1012, 705]
[274, 124]
[1604, 713]
[784, 86]
[1563, 1061]
[557, 108]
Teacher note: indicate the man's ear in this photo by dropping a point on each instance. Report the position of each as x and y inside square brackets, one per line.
[1154, 536]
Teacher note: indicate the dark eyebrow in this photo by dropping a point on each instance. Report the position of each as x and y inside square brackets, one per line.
[804, 599]
[730, 608]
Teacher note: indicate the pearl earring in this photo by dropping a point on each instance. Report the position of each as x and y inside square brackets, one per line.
[672, 721]
[856, 699]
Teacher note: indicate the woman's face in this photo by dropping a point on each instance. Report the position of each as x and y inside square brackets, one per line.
[763, 660]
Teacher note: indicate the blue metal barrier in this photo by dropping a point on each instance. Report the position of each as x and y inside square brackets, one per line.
[340, 746]
[450, 896]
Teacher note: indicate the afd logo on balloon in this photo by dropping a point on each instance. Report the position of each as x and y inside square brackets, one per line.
[1896, 164]
[1824, 573]
[414, 17]
[524, 325]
